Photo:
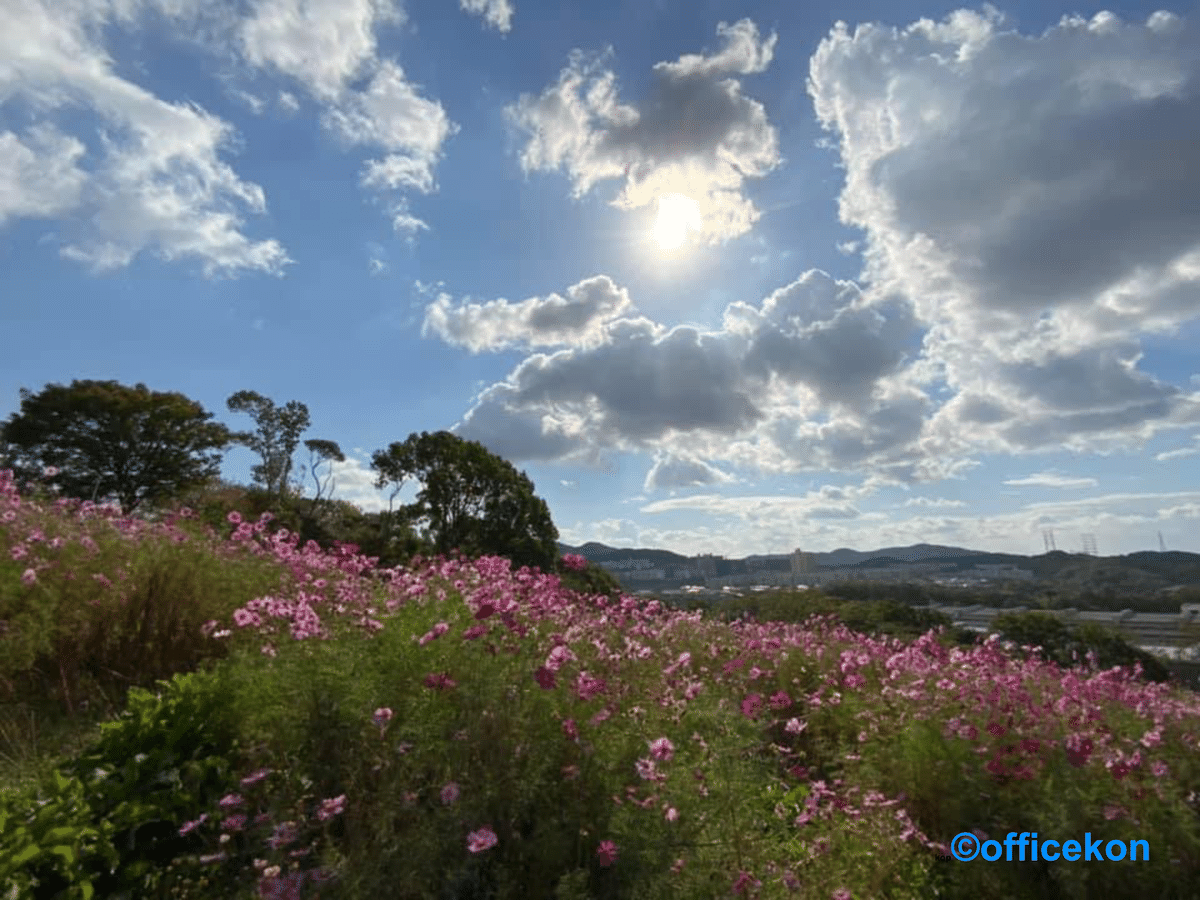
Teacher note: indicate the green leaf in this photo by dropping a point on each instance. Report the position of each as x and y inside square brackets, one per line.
[67, 853]
[30, 852]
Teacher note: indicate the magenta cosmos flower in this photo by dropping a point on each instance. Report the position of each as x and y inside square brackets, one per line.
[483, 839]
[606, 853]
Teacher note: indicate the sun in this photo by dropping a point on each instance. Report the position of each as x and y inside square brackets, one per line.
[676, 214]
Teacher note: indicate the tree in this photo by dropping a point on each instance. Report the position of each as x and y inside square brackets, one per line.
[323, 451]
[110, 440]
[470, 499]
[275, 441]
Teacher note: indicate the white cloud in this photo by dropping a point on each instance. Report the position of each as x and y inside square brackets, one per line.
[496, 13]
[39, 177]
[752, 393]
[1049, 479]
[255, 104]
[671, 471]
[324, 44]
[354, 482]
[1181, 453]
[696, 134]
[152, 179]
[288, 102]
[1040, 239]
[330, 47]
[403, 221]
[939, 502]
[554, 320]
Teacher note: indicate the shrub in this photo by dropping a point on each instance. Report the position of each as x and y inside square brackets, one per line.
[108, 820]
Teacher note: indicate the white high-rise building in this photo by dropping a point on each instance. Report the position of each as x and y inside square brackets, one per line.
[802, 563]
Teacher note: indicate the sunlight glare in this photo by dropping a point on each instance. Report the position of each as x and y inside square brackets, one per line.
[676, 214]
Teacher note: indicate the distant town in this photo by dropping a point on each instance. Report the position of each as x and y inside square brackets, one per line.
[800, 569]
[1143, 596]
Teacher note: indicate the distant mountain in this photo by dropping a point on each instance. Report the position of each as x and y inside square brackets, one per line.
[597, 552]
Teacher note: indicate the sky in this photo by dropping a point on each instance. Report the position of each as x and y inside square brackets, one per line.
[731, 278]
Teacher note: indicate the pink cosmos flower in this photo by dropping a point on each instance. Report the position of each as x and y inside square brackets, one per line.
[751, 705]
[558, 657]
[606, 853]
[662, 749]
[648, 771]
[744, 881]
[450, 793]
[439, 681]
[434, 633]
[332, 807]
[588, 686]
[574, 561]
[483, 839]
[545, 678]
[255, 777]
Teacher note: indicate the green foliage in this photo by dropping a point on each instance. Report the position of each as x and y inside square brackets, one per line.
[276, 438]
[41, 851]
[592, 580]
[1068, 647]
[470, 499]
[893, 618]
[109, 440]
[108, 820]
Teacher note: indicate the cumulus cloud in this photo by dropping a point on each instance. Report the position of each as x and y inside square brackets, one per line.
[1038, 240]
[150, 178]
[577, 319]
[495, 13]
[696, 134]
[323, 44]
[751, 393]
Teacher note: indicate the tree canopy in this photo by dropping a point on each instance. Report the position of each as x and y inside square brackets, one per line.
[470, 499]
[275, 440]
[107, 440]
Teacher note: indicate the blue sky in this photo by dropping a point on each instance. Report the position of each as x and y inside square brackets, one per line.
[720, 277]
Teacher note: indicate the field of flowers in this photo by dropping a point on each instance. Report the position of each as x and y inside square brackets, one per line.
[288, 722]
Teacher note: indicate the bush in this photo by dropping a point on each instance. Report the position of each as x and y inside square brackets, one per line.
[108, 821]
[1069, 647]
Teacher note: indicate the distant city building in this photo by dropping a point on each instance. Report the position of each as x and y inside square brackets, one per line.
[625, 565]
[707, 564]
[648, 573]
[1000, 571]
[803, 563]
